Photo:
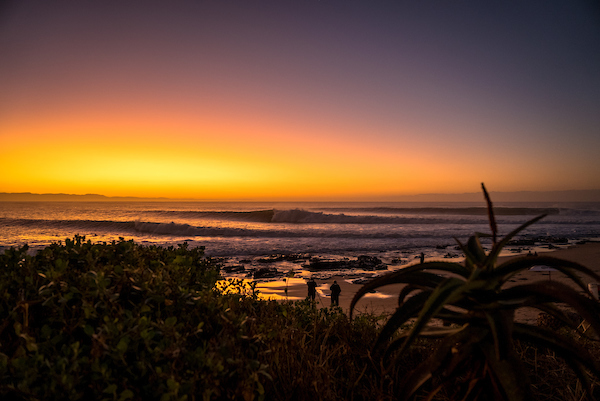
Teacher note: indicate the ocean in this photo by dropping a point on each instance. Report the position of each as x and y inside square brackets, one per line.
[286, 236]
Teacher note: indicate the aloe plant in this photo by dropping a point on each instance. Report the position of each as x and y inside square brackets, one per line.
[471, 311]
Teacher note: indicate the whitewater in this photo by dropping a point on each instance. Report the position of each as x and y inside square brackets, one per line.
[247, 231]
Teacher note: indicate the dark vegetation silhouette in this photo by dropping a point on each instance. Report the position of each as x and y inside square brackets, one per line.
[468, 309]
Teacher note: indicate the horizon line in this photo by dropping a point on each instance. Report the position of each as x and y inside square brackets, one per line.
[588, 195]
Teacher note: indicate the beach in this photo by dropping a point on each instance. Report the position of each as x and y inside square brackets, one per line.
[385, 301]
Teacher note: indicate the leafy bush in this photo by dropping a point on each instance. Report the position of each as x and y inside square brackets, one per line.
[470, 311]
[121, 321]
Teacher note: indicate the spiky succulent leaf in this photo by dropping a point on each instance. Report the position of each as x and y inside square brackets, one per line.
[452, 268]
[446, 291]
[444, 362]
[408, 290]
[497, 248]
[416, 275]
[570, 269]
[439, 332]
[409, 309]
[469, 258]
[501, 326]
[560, 315]
[506, 373]
[539, 293]
[491, 217]
[476, 251]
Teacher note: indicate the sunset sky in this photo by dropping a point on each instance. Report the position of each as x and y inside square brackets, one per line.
[298, 100]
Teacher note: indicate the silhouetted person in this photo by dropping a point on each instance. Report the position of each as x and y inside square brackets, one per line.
[312, 289]
[422, 257]
[335, 293]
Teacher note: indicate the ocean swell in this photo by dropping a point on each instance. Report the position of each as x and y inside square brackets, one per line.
[301, 216]
[174, 229]
[458, 211]
[256, 216]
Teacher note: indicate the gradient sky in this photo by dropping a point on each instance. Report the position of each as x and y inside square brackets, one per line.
[298, 100]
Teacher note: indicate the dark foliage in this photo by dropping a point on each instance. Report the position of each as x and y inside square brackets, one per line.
[471, 312]
[123, 321]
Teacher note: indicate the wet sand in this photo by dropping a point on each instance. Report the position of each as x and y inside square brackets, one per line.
[386, 301]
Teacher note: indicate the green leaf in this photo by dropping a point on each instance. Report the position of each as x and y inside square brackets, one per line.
[407, 310]
[491, 217]
[445, 361]
[497, 248]
[111, 389]
[126, 394]
[508, 374]
[552, 291]
[123, 344]
[570, 269]
[557, 313]
[476, 250]
[416, 274]
[172, 384]
[501, 326]
[449, 289]
[260, 388]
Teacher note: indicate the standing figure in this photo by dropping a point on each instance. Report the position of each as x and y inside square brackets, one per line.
[312, 289]
[422, 257]
[335, 293]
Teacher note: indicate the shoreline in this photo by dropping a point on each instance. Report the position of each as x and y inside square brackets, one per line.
[385, 301]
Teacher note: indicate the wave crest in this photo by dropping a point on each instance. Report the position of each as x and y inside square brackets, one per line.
[301, 216]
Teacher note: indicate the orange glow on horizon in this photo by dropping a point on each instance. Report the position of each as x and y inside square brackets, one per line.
[188, 162]
[177, 156]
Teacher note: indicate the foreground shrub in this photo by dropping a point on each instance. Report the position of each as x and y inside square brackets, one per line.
[121, 321]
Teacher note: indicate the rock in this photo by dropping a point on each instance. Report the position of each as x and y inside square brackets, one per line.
[234, 269]
[521, 242]
[278, 258]
[370, 263]
[363, 262]
[326, 264]
[266, 272]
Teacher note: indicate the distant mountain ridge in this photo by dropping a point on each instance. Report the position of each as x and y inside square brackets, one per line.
[31, 197]
[592, 195]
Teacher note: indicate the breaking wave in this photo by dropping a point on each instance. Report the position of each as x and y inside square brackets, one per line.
[174, 229]
[256, 216]
[300, 216]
